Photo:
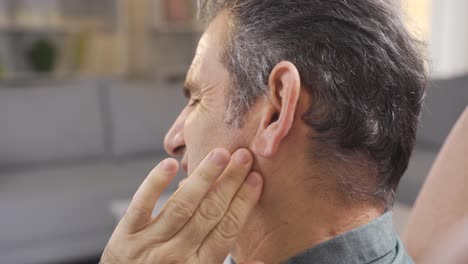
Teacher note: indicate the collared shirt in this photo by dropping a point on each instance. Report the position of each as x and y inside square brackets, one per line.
[375, 242]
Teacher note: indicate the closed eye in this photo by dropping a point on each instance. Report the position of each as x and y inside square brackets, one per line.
[193, 102]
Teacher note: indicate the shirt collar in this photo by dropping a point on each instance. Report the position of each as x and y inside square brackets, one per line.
[365, 244]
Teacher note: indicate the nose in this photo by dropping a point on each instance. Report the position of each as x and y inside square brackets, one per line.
[174, 141]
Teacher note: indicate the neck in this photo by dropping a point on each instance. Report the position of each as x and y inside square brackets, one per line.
[293, 218]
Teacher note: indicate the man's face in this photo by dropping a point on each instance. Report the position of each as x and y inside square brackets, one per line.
[200, 126]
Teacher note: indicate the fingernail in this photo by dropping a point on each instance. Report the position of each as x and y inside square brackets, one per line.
[219, 158]
[241, 156]
[254, 179]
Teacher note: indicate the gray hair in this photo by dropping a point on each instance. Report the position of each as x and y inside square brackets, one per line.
[361, 66]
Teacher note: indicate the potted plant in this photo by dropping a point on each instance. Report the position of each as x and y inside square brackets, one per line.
[42, 56]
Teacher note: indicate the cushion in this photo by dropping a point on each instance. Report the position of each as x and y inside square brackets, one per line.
[49, 122]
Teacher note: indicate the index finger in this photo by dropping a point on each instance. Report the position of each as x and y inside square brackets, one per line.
[138, 214]
[183, 204]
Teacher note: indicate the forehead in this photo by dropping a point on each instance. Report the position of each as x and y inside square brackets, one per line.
[207, 66]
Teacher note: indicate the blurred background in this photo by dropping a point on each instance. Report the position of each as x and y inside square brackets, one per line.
[88, 89]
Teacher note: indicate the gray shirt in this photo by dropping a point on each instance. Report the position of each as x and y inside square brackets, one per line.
[375, 242]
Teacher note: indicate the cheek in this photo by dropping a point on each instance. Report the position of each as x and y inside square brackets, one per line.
[202, 127]
[236, 139]
[201, 136]
[194, 128]
[205, 131]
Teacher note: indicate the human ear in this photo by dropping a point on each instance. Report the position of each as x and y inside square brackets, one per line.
[277, 118]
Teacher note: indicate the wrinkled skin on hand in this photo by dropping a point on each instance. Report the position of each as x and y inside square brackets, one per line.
[199, 223]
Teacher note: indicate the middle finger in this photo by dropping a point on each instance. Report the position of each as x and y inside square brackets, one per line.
[183, 204]
[215, 204]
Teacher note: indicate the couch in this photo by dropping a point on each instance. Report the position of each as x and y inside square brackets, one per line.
[69, 149]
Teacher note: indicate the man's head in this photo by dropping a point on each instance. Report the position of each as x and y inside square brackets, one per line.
[338, 84]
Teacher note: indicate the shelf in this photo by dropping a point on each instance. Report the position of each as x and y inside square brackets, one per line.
[31, 79]
[28, 77]
[20, 30]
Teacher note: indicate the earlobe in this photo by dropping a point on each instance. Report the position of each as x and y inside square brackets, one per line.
[278, 117]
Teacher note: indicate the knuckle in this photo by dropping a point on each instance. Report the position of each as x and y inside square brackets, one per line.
[204, 178]
[169, 254]
[229, 227]
[180, 209]
[139, 208]
[244, 196]
[136, 211]
[235, 167]
[132, 214]
[232, 176]
[211, 208]
[126, 221]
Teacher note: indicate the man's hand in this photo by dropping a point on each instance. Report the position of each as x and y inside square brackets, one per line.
[199, 223]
